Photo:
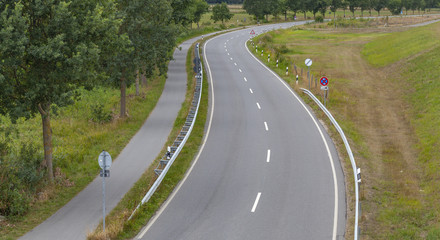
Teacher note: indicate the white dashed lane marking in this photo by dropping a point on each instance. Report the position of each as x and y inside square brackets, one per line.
[256, 202]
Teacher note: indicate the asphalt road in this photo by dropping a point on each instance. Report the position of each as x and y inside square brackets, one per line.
[84, 212]
[267, 168]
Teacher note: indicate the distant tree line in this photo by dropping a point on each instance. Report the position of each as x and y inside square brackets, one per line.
[225, 1]
[263, 8]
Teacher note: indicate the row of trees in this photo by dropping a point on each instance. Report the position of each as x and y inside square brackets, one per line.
[49, 49]
[264, 8]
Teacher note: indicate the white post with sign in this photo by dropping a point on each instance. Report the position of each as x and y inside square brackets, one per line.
[105, 162]
[324, 82]
[308, 63]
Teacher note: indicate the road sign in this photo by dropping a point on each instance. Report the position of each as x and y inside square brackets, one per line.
[252, 32]
[324, 81]
[308, 62]
[324, 88]
[105, 160]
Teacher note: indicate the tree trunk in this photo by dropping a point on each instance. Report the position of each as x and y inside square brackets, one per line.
[305, 16]
[47, 139]
[144, 78]
[285, 16]
[198, 25]
[123, 113]
[137, 83]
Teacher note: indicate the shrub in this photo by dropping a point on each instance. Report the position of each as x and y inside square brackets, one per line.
[319, 19]
[99, 115]
[267, 38]
[19, 178]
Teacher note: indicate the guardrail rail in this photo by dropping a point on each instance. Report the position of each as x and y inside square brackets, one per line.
[356, 171]
[173, 151]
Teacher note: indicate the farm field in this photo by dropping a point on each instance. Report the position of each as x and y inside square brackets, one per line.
[384, 93]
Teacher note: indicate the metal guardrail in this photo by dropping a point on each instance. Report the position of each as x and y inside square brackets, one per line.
[174, 150]
[356, 171]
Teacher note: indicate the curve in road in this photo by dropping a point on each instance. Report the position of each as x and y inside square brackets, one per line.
[266, 169]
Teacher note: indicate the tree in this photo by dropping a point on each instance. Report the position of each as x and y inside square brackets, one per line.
[395, 7]
[334, 5]
[378, 5]
[49, 49]
[260, 8]
[364, 5]
[199, 8]
[312, 6]
[220, 12]
[181, 13]
[322, 5]
[283, 7]
[352, 5]
[296, 6]
[146, 24]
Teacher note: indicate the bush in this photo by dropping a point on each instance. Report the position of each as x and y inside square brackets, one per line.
[99, 115]
[319, 19]
[19, 178]
[266, 38]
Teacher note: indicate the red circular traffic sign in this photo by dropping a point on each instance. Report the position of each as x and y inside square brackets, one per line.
[324, 81]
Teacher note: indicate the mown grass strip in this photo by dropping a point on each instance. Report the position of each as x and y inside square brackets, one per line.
[393, 47]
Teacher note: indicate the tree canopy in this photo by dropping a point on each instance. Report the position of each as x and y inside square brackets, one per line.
[49, 49]
[220, 12]
[261, 8]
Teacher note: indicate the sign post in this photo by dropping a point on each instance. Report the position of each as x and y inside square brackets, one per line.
[105, 162]
[324, 87]
[308, 63]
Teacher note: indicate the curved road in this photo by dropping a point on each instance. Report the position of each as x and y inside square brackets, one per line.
[84, 212]
[267, 168]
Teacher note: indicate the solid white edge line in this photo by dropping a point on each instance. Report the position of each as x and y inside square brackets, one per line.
[335, 181]
[173, 194]
[256, 202]
[265, 125]
[258, 106]
[268, 155]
